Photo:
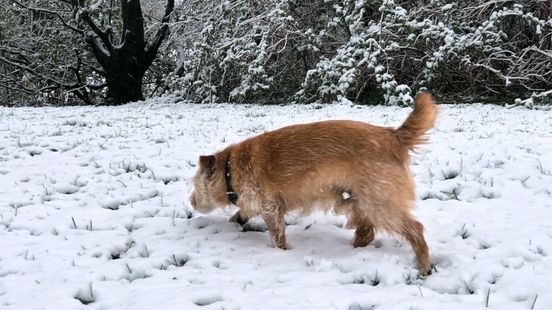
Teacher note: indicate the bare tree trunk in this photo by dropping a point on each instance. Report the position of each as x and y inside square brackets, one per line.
[124, 78]
[125, 64]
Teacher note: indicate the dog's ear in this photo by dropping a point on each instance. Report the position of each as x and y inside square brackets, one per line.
[207, 164]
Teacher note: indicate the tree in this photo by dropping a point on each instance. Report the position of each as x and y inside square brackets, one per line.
[124, 64]
[66, 50]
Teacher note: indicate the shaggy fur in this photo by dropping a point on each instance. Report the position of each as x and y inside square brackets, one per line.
[353, 168]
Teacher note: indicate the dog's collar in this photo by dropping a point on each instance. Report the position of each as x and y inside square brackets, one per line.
[232, 195]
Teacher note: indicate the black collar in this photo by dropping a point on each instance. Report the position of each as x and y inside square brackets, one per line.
[232, 195]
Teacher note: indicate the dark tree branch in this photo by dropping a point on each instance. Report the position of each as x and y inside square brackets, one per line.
[161, 33]
[30, 71]
[101, 54]
[19, 88]
[79, 91]
[101, 34]
[9, 80]
[56, 14]
[74, 3]
[97, 86]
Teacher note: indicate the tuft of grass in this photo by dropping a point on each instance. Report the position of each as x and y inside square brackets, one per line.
[145, 253]
[524, 182]
[409, 278]
[455, 192]
[488, 193]
[464, 233]
[370, 280]
[483, 245]
[117, 253]
[15, 207]
[167, 180]
[534, 301]
[541, 169]
[375, 281]
[179, 261]
[469, 288]
[427, 195]
[128, 268]
[450, 174]
[69, 122]
[86, 296]
[309, 261]
[33, 153]
[494, 278]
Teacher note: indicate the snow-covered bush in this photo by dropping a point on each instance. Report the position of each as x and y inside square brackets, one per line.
[365, 51]
[244, 52]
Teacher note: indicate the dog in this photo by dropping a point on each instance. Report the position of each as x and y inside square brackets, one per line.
[350, 167]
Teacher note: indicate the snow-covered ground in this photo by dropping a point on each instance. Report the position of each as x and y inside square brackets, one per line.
[94, 210]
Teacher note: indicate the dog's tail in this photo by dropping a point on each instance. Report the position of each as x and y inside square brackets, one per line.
[421, 119]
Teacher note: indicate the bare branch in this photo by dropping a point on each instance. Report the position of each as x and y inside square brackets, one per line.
[161, 33]
[101, 34]
[56, 14]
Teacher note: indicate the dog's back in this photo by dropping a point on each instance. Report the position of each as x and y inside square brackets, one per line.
[343, 140]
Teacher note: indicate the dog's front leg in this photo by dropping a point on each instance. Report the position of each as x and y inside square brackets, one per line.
[273, 215]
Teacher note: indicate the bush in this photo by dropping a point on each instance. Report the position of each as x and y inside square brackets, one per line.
[365, 51]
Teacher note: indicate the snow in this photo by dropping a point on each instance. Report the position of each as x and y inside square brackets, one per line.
[94, 210]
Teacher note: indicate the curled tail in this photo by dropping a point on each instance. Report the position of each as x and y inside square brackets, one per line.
[421, 119]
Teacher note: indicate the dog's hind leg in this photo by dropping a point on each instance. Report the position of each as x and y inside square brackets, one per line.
[364, 229]
[272, 212]
[413, 232]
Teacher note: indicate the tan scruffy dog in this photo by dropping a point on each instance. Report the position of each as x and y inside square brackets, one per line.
[350, 167]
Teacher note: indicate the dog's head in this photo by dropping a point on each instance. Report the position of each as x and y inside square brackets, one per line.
[209, 185]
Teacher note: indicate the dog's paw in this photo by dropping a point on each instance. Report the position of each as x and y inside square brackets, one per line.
[242, 221]
[426, 271]
[237, 218]
[253, 226]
